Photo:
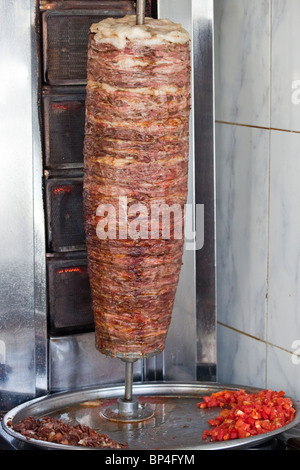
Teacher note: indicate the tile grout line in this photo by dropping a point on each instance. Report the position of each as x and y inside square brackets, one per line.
[267, 343]
[252, 126]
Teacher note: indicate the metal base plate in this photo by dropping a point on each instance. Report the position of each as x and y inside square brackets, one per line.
[127, 412]
[176, 423]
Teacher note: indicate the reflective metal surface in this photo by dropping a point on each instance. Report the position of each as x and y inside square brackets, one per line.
[74, 362]
[177, 422]
[127, 408]
[140, 11]
[22, 275]
[191, 342]
[203, 33]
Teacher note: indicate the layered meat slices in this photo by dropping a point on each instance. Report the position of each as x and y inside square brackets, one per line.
[136, 158]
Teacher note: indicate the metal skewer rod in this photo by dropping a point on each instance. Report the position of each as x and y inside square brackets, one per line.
[140, 11]
[128, 408]
[128, 380]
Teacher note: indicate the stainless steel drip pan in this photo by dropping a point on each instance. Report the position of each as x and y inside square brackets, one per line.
[177, 422]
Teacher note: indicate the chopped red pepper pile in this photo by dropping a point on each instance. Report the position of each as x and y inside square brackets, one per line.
[246, 414]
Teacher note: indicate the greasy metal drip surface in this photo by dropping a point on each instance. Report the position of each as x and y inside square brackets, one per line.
[177, 423]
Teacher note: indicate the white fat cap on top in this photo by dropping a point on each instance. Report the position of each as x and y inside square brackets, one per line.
[117, 31]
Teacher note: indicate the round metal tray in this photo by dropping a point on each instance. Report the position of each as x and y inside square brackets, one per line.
[177, 422]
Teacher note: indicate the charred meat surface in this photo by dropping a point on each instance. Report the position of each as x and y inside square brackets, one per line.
[136, 153]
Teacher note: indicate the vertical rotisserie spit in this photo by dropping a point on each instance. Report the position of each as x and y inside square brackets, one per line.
[135, 179]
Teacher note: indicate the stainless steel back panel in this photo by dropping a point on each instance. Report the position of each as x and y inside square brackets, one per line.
[22, 237]
[191, 344]
[74, 363]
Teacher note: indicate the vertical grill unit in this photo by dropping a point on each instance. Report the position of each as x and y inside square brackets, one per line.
[47, 341]
[65, 27]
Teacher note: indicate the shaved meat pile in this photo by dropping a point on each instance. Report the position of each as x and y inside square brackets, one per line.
[135, 160]
[53, 430]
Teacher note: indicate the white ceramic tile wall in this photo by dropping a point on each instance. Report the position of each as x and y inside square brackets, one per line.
[244, 360]
[257, 79]
[284, 240]
[242, 68]
[242, 226]
[285, 65]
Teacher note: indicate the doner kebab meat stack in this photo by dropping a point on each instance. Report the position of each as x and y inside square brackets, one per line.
[135, 153]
